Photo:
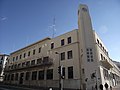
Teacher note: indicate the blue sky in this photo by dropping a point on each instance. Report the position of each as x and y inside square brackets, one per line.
[23, 22]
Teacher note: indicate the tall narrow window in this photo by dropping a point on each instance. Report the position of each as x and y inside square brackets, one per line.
[70, 72]
[13, 58]
[24, 55]
[28, 63]
[63, 56]
[29, 53]
[27, 77]
[52, 45]
[34, 75]
[69, 40]
[62, 42]
[69, 54]
[41, 75]
[16, 76]
[20, 57]
[34, 52]
[16, 57]
[39, 50]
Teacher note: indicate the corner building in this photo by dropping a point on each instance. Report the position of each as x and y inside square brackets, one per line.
[85, 60]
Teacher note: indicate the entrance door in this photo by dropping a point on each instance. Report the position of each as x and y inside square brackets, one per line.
[21, 78]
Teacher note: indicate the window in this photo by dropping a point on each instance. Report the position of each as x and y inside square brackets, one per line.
[19, 65]
[23, 64]
[63, 56]
[20, 56]
[12, 77]
[50, 74]
[27, 77]
[39, 60]
[69, 54]
[24, 55]
[13, 58]
[34, 75]
[101, 56]
[69, 40]
[89, 53]
[8, 78]
[70, 72]
[52, 45]
[16, 76]
[41, 75]
[16, 57]
[33, 62]
[28, 63]
[98, 41]
[39, 50]
[45, 59]
[29, 53]
[62, 42]
[34, 52]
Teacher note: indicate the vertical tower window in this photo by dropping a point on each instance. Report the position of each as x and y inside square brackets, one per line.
[29, 53]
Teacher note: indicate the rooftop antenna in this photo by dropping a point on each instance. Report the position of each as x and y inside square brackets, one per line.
[53, 27]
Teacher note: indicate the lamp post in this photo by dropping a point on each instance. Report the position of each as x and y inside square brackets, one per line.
[60, 73]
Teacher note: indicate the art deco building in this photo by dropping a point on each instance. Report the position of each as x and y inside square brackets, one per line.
[82, 54]
[3, 60]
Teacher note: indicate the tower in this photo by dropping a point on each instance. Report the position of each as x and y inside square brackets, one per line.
[87, 49]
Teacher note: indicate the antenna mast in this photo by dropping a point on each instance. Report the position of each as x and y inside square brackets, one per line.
[53, 27]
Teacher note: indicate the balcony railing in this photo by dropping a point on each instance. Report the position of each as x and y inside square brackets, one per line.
[44, 63]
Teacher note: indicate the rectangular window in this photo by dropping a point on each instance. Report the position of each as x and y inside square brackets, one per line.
[24, 55]
[62, 42]
[69, 54]
[70, 72]
[62, 56]
[16, 76]
[50, 74]
[34, 75]
[23, 64]
[12, 77]
[20, 56]
[45, 59]
[27, 77]
[41, 75]
[52, 45]
[28, 63]
[29, 53]
[19, 65]
[39, 60]
[69, 40]
[13, 58]
[39, 50]
[34, 52]
[33, 62]
[16, 57]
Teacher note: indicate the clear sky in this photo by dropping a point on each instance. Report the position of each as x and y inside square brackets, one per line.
[23, 22]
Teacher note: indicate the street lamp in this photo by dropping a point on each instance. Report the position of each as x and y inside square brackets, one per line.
[60, 73]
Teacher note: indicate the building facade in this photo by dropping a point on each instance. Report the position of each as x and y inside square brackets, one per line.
[85, 61]
[3, 60]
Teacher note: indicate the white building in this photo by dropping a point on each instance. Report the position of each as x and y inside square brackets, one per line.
[3, 60]
[84, 57]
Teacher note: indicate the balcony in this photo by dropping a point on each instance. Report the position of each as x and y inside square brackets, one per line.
[46, 62]
[106, 63]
